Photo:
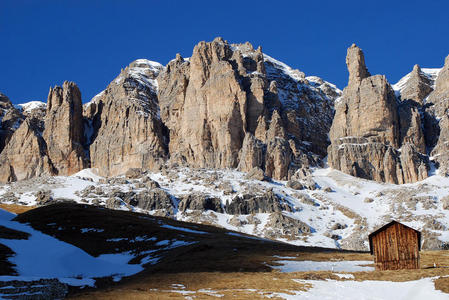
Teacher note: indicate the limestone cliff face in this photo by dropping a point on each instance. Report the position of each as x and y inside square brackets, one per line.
[437, 100]
[64, 131]
[124, 129]
[370, 126]
[232, 106]
[25, 156]
[204, 105]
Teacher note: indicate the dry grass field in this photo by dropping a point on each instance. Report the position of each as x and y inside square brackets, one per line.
[259, 285]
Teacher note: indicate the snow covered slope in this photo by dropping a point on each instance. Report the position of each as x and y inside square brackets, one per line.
[339, 212]
[71, 244]
[42, 256]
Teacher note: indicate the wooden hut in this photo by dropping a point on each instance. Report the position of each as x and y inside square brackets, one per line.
[395, 246]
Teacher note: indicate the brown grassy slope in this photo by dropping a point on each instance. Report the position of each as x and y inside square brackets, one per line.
[215, 251]
[255, 285]
[66, 222]
[15, 208]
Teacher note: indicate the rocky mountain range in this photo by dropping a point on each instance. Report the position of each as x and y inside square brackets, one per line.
[175, 140]
[231, 106]
[227, 106]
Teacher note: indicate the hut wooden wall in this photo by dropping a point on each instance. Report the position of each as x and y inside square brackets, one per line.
[396, 248]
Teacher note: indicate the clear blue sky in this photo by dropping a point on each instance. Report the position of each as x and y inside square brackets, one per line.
[43, 43]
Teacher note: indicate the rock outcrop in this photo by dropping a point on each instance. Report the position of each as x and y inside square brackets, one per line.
[200, 202]
[370, 127]
[232, 106]
[156, 199]
[64, 129]
[250, 204]
[279, 225]
[124, 127]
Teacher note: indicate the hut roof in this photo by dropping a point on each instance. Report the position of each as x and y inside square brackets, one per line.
[370, 237]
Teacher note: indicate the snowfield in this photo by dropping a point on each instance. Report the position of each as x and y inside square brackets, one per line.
[368, 290]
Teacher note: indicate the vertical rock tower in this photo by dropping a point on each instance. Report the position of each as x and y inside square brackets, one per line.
[64, 129]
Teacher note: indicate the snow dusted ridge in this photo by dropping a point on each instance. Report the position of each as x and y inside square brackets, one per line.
[276, 70]
[28, 107]
[318, 85]
[430, 73]
[143, 71]
[298, 75]
[339, 214]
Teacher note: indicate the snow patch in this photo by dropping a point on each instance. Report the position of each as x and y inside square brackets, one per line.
[184, 229]
[370, 289]
[309, 265]
[91, 173]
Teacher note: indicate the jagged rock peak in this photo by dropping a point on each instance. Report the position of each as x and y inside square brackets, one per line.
[416, 85]
[10, 120]
[416, 69]
[179, 57]
[4, 99]
[442, 82]
[140, 71]
[355, 60]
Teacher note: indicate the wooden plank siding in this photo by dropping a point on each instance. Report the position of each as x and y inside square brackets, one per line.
[395, 246]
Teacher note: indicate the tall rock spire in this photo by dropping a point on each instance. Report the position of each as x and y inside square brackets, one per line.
[64, 129]
[355, 60]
